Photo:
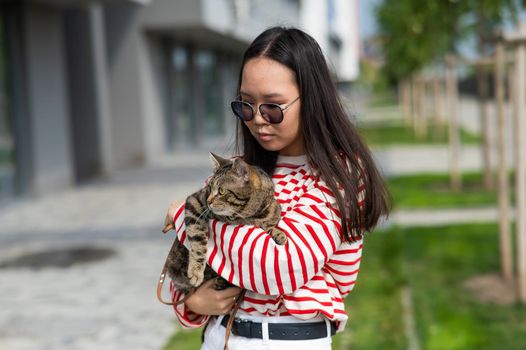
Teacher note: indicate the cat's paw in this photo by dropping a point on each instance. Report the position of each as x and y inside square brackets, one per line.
[281, 239]
[278, 236]
[195, 278]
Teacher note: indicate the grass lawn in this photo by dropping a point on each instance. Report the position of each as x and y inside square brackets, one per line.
[415, 191]
[436, 261]
[184, 339]
[385, 135]
[374, 308]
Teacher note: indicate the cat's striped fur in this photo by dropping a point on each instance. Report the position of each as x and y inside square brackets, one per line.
[237, 193]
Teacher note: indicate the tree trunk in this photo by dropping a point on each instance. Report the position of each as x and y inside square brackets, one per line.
[414, 101]
[436, 102]
[482, 88]
[506, 256]
[454, 137]
[420, 125]
[520, 62]
[425, 108]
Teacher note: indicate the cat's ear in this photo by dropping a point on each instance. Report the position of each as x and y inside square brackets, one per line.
[241, 169]
[218, 162]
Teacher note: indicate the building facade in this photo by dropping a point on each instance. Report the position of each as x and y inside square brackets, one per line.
[89, 87]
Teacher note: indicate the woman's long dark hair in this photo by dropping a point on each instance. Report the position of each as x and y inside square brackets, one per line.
[326, 127]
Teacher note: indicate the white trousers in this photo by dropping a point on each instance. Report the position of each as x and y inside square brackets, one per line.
[215, 336]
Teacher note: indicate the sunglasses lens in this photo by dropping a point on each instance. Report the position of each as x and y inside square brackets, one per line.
[271, 113]
[242, 110]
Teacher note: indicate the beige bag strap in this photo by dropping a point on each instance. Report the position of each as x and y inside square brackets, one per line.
[233, 313]
[160, 284]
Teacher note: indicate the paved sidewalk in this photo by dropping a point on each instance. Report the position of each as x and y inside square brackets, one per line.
[407, 159]
[404, 160]
[110, 304]
[436, 217]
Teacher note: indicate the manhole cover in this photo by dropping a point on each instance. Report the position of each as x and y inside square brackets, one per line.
[58, 258]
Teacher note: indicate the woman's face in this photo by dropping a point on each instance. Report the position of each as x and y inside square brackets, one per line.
[267, 81]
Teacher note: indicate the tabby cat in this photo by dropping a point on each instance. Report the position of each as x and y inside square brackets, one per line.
[237, 193]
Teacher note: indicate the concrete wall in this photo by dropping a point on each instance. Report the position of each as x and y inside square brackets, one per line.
[102, 89]
[47, 97]
[124, 49]
[170, 14]
[83, 110]
[90, 111]
[153, 71]
[236, 19]
[346, 25]
[137, 70]
[252, 17]
[314, 19]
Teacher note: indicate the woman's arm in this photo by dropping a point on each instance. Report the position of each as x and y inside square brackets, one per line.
[206, 301]
[247, 256]
[343, 266]
[185, 315]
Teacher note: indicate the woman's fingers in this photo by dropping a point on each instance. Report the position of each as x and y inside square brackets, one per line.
[229, 293]
[228, 298]
[207, 284]
[168, 220]
[208, 301]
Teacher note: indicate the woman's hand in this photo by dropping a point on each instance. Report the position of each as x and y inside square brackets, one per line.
[208, 301]
[169, 219]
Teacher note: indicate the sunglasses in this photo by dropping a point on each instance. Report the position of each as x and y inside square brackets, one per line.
[271, 112]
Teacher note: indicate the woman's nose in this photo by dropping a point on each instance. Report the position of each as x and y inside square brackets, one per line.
[258, 118]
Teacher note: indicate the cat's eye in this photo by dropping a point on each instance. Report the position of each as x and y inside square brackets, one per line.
[221, 190]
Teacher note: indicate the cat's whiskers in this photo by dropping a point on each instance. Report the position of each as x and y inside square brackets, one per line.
[204, 213]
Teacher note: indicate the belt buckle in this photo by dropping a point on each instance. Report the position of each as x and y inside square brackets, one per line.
[242, 325]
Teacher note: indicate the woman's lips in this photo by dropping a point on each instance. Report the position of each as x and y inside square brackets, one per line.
[264, 137]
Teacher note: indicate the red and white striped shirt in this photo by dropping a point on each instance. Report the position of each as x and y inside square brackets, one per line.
[308, 276]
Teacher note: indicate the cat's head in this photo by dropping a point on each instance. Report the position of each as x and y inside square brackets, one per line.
[231, 185]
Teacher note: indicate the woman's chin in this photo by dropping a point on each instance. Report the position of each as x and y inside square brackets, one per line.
[269, 146]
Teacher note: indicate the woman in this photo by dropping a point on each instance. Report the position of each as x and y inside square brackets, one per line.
[293, 125]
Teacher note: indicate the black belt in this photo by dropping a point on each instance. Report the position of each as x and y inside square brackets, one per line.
[280, 331]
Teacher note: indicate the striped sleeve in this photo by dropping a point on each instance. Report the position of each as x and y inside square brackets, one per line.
[186, 317]
[247, 256]
[343, 266]
[179, 222]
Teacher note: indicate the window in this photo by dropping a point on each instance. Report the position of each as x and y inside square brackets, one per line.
[208, 71]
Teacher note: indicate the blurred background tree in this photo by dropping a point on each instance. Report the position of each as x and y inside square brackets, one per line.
[416, 35]
[432, 28]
